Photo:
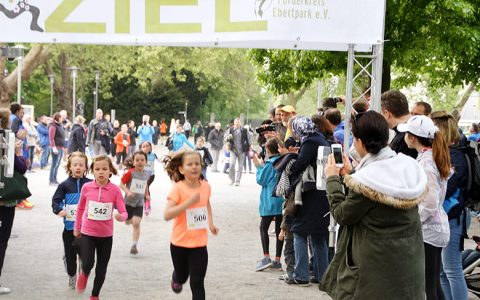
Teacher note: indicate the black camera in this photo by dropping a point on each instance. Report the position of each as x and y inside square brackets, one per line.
[263, 129]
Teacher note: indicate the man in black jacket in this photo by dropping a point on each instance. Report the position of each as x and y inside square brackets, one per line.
[77, 139]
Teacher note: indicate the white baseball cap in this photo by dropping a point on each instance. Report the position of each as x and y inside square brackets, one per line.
[421, 126]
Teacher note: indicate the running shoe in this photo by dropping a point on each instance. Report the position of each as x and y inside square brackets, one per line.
[290, 280]
[176, 287]
[72, 280]
[284, 276]
[25, 204]
[276, 265]
[81, 282]
[263, 264]
[94, 298]
[4, 290]
[134, 250]
[147, 208]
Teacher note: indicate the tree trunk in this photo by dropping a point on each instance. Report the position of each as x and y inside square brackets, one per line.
[386, 75]
[8, 85]
[294, 98]
[463, 100]
[62, 86]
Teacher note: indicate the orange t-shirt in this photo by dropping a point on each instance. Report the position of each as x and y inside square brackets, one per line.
[182, 235]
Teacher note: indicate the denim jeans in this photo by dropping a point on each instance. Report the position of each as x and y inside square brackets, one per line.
[31, 155]
[44, 157]
[320, 256]
[56, 160]
[451, 274]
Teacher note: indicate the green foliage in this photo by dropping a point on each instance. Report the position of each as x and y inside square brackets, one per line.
[437, 37]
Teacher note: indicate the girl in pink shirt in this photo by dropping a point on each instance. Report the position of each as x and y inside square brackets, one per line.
[189, 204]
[94, 222]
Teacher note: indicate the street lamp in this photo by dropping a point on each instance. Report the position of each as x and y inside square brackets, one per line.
[74, 77]
[52, 81]
[95, 104]
[15, 53]
[248, 108]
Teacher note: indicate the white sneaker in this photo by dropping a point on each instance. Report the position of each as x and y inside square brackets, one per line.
[4, 290]
[72, 281]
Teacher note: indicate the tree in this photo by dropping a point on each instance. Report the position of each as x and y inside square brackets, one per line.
[437, 37]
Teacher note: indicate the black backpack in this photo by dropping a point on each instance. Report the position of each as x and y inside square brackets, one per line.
[472, 190]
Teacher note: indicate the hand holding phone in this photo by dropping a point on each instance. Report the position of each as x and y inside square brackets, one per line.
[337, 155]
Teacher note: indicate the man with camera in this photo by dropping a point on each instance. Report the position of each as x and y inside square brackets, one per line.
[240, 142]
[98, 131]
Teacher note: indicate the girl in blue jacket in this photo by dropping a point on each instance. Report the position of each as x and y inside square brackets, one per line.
[270, 207]
[64, 204]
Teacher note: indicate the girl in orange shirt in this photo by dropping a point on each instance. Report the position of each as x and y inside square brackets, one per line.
[189, 204]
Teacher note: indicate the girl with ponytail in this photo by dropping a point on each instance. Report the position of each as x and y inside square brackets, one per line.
[433, 154]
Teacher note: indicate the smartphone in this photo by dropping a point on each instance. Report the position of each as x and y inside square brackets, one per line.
[337, 154]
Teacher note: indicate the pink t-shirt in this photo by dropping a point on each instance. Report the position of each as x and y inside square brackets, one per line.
[95, 209]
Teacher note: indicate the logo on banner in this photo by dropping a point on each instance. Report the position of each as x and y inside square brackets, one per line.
[261, 6]
[21, 7]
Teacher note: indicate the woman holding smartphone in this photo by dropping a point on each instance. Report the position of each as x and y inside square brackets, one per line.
[380, 251]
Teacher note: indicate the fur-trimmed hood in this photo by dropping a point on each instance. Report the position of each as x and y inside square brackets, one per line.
[394, 180]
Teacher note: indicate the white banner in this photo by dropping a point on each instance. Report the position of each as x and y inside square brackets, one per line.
[284, 24]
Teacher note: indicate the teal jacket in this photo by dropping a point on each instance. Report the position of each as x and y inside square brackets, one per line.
[178, 140]
[267, 178]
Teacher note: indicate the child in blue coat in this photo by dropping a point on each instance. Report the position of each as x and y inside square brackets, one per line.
[64, 204]
[270, 207]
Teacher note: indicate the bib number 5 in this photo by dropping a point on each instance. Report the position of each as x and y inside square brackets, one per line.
[197, 218]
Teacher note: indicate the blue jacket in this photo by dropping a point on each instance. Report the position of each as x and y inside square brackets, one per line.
[339, 134]
[68, 193]
[267, 178]
[42, 130]
[178, 140]
[145, 133]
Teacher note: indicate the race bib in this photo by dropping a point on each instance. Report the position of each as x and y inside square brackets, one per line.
[197, 218]
[71, 210]
[99, 211]
[138, 186]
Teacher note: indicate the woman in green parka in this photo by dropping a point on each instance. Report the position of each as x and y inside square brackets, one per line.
[380, 251]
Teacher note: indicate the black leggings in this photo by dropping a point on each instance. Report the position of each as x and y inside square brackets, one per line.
[149, 182]
[70, 252]
[7, 214]
[121, 156]
[103, 245]
[264, 224]
[433, 260]
[190, 262]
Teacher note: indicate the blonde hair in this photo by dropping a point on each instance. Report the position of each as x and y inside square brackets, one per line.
[69, 162]
[447, 125]
[176, 161]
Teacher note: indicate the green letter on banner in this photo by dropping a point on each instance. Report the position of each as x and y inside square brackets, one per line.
[56, 21]
[122, 16]
[152, 18]
[223, 24]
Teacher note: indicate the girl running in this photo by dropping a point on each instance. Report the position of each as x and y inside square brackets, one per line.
[433, 154]
[189, 204]
[134, 184]
[146, 147]
[94, 222]
[64, 204]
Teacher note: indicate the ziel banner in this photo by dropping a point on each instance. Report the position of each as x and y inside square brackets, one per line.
[289, 24]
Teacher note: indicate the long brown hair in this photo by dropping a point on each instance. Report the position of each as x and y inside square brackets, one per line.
[447, 125]
[440, 152]
[98, 158]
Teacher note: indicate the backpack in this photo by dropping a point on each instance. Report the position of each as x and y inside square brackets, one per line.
[472, 190]
[169, 143]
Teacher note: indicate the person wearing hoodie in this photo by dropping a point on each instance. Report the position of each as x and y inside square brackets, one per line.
[380, 252]
[77, 139]
[145, 131]
[42, 129]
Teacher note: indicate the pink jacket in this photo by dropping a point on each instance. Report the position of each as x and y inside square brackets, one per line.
[92, 192]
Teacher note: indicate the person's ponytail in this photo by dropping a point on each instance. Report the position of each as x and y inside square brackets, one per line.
[441, 155]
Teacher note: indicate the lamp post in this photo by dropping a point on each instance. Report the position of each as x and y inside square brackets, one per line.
[248, 108]
[52, 81]
[19, 67]
[95, 104]
[74, 71]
